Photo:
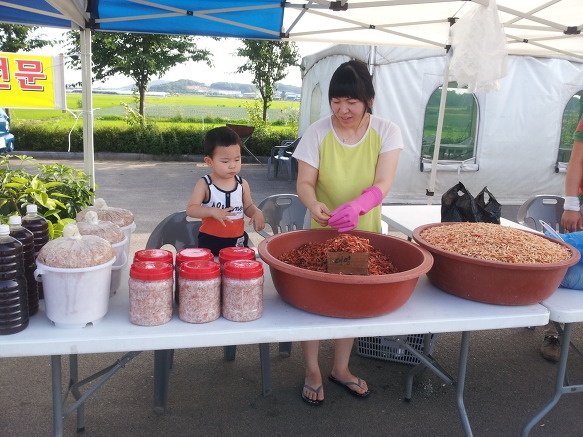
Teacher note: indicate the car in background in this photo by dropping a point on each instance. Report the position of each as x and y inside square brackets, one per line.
[6, 138]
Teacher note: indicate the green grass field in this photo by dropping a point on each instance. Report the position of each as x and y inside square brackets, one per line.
[180, 107]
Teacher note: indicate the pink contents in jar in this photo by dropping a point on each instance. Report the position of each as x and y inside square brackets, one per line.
[189, 254]
[242, 290]
[200, 291]
[150, 285]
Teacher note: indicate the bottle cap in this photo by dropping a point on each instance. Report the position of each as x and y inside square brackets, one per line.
[235, 253]
[194, 254]
[243, 269]
[14, 220]
[31, 207]
[154, 255]
[151, 270]
[4, 230]
[199, 270]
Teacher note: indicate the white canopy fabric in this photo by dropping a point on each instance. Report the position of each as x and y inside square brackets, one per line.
[532, 27]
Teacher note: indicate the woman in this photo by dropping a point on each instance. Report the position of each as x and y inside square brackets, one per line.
[347, 163]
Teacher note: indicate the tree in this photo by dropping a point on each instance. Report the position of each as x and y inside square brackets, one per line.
[268, 61]
[14, 37]
[137, 56]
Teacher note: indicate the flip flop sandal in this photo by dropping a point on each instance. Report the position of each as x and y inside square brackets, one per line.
[312, 402]
[347, 386]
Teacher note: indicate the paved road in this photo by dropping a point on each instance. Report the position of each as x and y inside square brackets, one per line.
[506, 379]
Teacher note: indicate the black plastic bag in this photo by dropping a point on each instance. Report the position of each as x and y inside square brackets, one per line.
[458, 205]
[488, 207]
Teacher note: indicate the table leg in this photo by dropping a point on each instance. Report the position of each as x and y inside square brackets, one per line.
[74, 387]
[461, 380]
[57, 402]
[162, 364]
[559, 382]
[428, 362]
[265, 368]
[425, 361]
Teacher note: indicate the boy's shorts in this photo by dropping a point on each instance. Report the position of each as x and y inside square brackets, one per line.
[215, 244]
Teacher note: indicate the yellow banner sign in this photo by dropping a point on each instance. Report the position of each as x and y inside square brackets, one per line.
[29, 81]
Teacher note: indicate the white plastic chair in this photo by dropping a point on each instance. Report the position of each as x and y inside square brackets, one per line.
[283, 213]
[546, 207]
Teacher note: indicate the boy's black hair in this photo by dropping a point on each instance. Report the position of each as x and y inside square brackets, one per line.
[352, 80]
[219, 136]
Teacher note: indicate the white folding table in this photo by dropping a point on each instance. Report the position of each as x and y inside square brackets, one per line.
[429, 310]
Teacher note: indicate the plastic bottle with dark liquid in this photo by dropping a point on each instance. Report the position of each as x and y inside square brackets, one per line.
[13, 294]
[39, 227]
[26, 237]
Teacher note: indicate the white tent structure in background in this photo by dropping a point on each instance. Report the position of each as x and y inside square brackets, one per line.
[519, 126]
[531, 27]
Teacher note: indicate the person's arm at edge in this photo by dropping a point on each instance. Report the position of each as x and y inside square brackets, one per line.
[572, 220]
[306, 189]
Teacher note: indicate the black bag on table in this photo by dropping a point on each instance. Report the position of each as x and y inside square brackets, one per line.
[458, 205]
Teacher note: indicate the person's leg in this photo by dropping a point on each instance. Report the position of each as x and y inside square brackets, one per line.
[313, 375]
[340, 370]
[551, 347]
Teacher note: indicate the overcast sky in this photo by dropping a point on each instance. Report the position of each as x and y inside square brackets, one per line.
[224, 59]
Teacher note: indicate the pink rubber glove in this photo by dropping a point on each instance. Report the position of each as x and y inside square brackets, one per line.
[345, 217]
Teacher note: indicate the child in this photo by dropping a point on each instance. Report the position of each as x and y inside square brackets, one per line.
[222, 198]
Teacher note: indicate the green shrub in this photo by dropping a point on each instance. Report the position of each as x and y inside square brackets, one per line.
[58, 190]
[167, 139]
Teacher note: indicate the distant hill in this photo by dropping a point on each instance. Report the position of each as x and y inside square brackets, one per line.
[187, 86]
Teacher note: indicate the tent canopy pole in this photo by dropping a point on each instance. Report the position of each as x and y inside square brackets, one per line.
[87, 106]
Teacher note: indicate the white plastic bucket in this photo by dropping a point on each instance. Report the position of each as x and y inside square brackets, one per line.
[121, 250]
[75, 297]
[128, 231]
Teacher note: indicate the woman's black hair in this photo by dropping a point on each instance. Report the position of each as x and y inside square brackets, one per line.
[352, 80]
[219, 136]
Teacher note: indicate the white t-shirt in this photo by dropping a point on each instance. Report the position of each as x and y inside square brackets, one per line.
[308, 149]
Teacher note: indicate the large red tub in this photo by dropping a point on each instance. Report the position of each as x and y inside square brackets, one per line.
[349, 296]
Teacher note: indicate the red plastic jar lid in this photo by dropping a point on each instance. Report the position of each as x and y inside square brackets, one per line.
[151, 270]
[194, 254]
[243, 269]
[235, 253]
[154, 255]
[199, 270]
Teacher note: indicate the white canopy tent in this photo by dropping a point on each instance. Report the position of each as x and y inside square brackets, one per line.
[519, 126]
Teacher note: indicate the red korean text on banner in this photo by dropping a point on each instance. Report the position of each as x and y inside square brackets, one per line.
[29, 81]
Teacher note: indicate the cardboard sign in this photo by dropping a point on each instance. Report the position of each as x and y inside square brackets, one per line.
[347, 263]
